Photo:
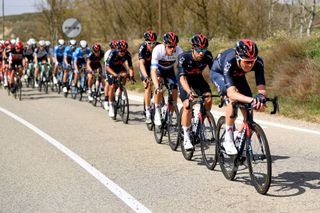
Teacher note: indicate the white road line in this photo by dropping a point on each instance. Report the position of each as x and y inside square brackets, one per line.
[261, 122]
[113, 187]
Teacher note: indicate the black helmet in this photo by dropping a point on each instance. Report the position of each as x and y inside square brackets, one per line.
[247, 49]
[170, 38]
[199, 41]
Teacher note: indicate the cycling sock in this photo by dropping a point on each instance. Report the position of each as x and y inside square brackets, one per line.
[229, 134]
[106, 98]
[147, 108]
[186, 130]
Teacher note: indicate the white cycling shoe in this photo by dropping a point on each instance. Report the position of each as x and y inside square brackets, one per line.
[157, 118]
[111, 111]
[229, 147]
[187, 143]
[106, 105]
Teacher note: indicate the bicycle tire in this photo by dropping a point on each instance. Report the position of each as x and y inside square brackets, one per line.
[20, 90]
[150, 126]
[187, 154]
[259, 155]
[116, 105]
[227, 164]
[46, 86]
[172, 128]
[124, 106]
[208, 141]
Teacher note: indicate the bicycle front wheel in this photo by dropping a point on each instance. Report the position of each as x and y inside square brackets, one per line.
[259, 160]
[172, 127]
[187, 153]
[208, 141]
[124, 106]
[227, 163]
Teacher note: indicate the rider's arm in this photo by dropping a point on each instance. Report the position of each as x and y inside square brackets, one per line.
[88, 65]
[143, 68]
[233, 94]
[110, 70]
[154, 66]
[184, 84]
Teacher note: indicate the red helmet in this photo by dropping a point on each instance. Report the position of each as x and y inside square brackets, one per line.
[247, 49]
[113, 44]
[10, 47]
[150, 36]
[199, 41]
[170, 38]
[19, 45]
[6, 43]
[122, 45]
[96, 47]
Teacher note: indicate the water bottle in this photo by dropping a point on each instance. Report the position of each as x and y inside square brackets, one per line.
[117, 94]
[195, 119]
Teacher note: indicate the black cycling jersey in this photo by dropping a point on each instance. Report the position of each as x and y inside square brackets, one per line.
[115, 61]
[28, 53]
[16, 57]
[226, 64]
[95, 61]
[189, 67]
[145, 54]
[41, 54]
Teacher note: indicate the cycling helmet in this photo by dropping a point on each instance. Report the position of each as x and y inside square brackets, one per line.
[73, 42]
[10, 47]
[7, 42]
[247, 49]
[170, 38]
[13, 41]
[150, 36]
[199, 41]
[83, 44]
[32, 41]
[19, 45]
[48, 43]
[96, 47]
[61, 42]
[122, 45]
[42, 43]
[113, 44]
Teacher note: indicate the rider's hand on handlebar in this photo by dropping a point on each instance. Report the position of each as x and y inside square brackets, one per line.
[190, 96]
[259, 102]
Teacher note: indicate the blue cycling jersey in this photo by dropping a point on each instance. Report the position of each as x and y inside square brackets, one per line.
[58, 53]
[80, 55]
[68, 52]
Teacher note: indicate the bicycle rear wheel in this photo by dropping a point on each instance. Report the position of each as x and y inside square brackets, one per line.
[124, 106]
[259, 160]
[208, 141]
[227, 163]
[187, 154]
[19, 89]
[172, 127]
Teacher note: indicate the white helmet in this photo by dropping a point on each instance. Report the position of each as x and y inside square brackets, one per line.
[42, 43]
[29, 43]
[73, 42]
[32, 41]
[48, 43]
[13, 41]
[83, 44]
[61, 42]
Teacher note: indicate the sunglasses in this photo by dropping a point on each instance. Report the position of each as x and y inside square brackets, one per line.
[171, 46]
[151, 43]
[247, 61]
[122, 51]
[199, 50]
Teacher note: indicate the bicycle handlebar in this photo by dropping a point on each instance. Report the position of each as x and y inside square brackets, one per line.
[202, 97]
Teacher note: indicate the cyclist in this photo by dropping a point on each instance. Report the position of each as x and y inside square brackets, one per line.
[228, 74]
[112, 46]
[67, 63]
[80, 57]
[28, 58]
[115, 68]
[41, 56]
[58, 52]
[162, 68]
[145, 52]
[1, 65]
[8, 47]
[190, 67]
[15, 63]
[94, 64]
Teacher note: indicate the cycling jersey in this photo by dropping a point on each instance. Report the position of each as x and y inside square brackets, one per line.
[146, 55]
[80, 57]
[41, 54]
[95, 61]
[115, 61]
[193, 69]
[68, 52]
[16, 58]
[161, 60]
[58, 53]
[28, 53]
[225, 72]
[106, 55]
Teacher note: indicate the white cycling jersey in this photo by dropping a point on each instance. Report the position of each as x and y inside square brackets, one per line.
[163, 61]
[106, 55]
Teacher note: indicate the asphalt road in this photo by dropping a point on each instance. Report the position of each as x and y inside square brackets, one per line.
[36, 176]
